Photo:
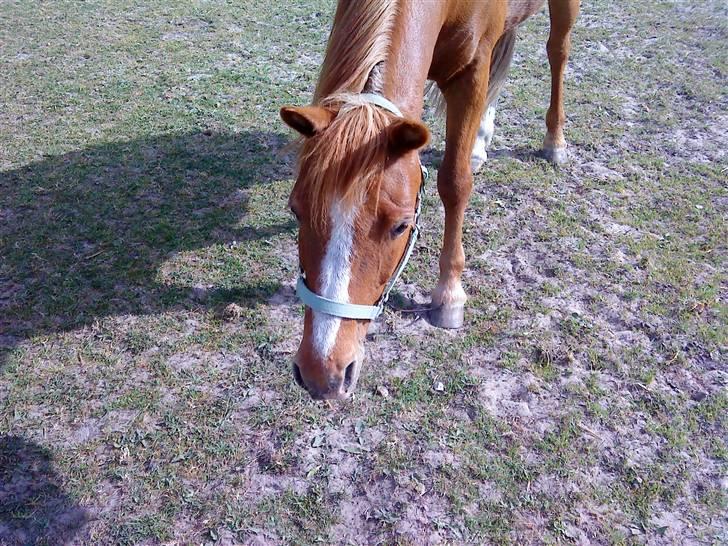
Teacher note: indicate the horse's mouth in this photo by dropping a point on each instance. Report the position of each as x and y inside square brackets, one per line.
[344, 389]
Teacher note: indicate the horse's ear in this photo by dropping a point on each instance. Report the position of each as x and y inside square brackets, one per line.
[406, 135]
[307, 120]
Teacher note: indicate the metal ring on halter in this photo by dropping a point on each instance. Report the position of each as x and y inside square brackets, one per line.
[358, 311]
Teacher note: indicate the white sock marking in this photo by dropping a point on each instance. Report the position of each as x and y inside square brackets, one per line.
[482, 141]
[335, 277]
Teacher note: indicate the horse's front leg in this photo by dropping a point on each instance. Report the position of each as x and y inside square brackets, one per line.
[465, 98]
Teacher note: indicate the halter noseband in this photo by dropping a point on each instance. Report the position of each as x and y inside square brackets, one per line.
[354, 310]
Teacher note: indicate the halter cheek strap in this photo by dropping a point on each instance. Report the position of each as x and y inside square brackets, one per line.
[358, 311]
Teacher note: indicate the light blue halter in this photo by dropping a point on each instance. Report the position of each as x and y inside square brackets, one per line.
[354, 310]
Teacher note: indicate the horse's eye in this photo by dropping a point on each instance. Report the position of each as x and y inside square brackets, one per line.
[400, 229]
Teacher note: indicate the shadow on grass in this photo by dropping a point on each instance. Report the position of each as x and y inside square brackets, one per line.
[521, 153]
[33, 508]
[408, 308]
[83, 235]
[433, 157]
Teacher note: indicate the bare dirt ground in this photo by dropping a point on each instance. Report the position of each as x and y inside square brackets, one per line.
[148, 321]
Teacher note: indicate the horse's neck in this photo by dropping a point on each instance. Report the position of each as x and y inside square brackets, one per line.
[410, 55]
[396, 65]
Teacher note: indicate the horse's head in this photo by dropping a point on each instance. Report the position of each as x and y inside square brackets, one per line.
[355, 200]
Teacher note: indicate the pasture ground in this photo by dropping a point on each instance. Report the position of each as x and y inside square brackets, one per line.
[147, 316]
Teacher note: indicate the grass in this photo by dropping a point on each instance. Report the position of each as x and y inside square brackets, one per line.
[147, 316]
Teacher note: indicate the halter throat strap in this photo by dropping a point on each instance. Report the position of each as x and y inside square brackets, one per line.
[354, 310]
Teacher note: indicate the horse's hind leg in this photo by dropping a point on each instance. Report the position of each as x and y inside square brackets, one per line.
[483, 139]
[501, 58]
[562, 14]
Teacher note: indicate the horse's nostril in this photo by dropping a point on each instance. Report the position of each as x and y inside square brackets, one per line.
[348, 376]
[298, 378]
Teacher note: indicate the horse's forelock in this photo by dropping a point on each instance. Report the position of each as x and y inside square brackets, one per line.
[346, 161]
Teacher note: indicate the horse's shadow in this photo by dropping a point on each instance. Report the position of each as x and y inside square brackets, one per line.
[523, 154]
[83, 235]
[33, 507]
[433, 157]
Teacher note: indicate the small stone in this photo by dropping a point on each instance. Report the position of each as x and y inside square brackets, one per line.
[383, 391]
[200, 292]
[699, 396]
[439, 387]
[523, 410]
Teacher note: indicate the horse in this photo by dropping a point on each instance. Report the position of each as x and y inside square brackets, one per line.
[359, 184]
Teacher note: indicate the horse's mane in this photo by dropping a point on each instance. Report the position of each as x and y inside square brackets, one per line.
[346, 160]
[360, 39]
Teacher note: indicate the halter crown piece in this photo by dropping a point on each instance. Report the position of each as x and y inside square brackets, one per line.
[358, 311]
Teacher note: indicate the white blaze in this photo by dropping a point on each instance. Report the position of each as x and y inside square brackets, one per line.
[335, 277]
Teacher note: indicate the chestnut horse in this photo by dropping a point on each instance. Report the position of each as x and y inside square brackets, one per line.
[357, 194]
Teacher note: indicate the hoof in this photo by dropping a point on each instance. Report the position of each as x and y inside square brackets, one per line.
[447, 316]
[477, 161]
[557, 156]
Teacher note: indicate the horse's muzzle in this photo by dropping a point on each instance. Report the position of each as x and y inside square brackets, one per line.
[338, 387]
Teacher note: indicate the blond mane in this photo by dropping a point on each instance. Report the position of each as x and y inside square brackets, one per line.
[360, 38]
